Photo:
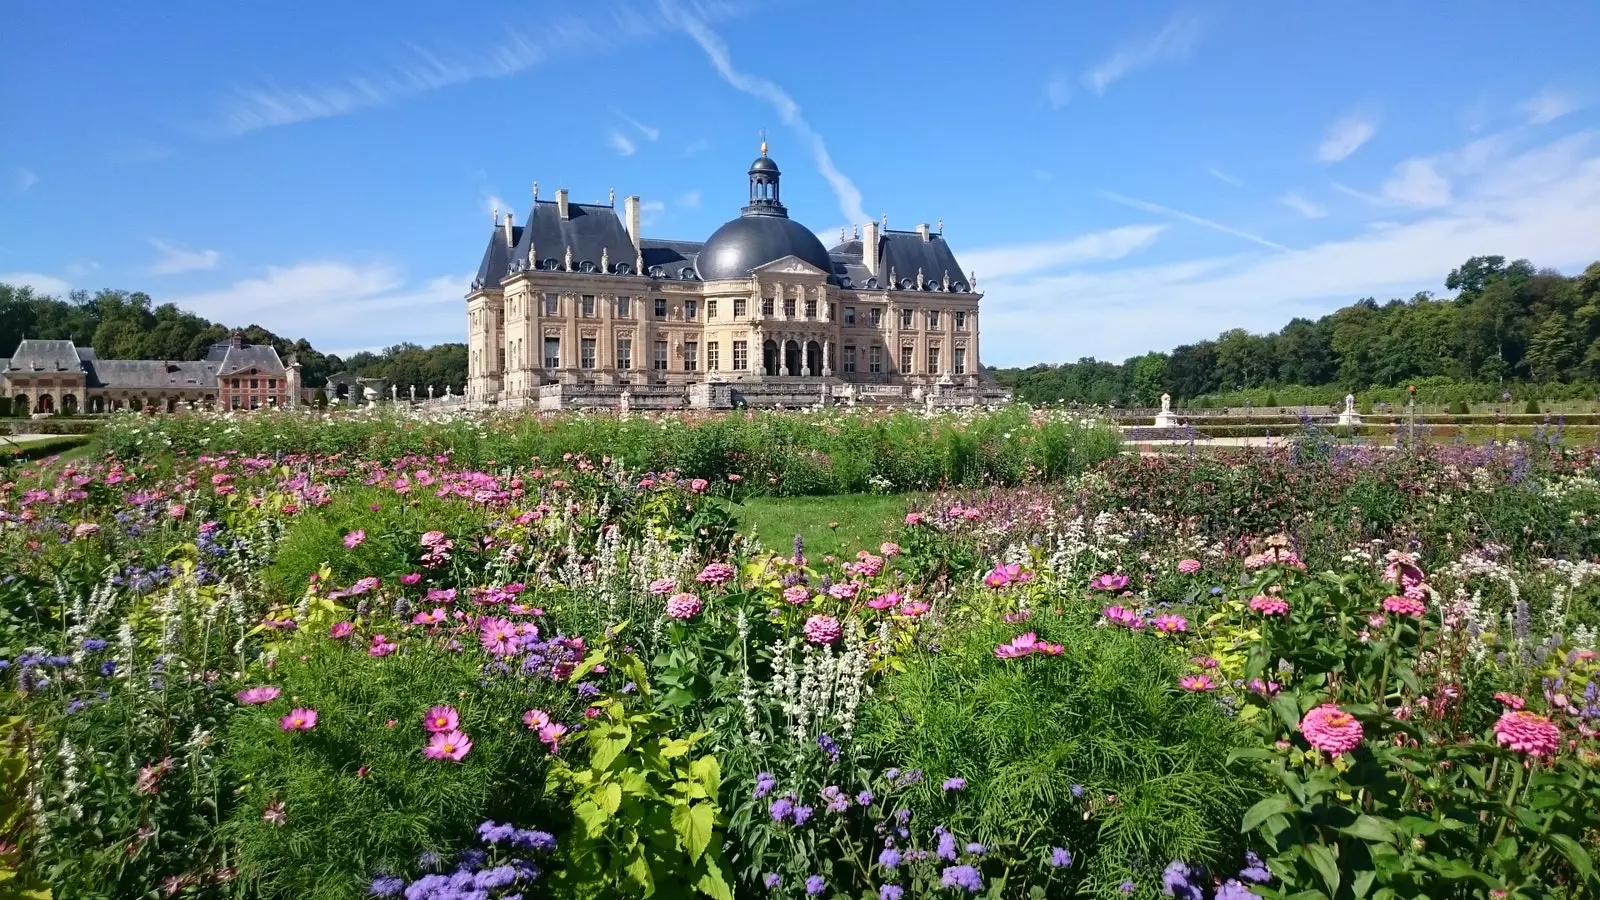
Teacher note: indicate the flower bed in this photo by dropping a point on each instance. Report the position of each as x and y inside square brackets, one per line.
[1321, 672]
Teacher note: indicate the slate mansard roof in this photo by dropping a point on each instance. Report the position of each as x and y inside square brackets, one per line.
[35, 356]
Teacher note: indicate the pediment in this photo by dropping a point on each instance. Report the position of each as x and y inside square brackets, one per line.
[789, 265]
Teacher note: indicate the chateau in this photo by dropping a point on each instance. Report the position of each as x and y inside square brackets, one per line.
[577, 308]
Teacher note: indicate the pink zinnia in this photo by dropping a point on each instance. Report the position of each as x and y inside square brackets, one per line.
[822, 629]
[432, 539]
[663, 586]
[340, 630]
[796, 594]
[1511, 701]
[1196, 683]
[1188, 566]
[1404, 606]
[441, 718]
[1269, 606]
[889, 548]
[1528, 732]
[843, 590]
[699, 485]
[684, 606]
[354, 539]
[299, 719]
[1331, 730]
[1170, 624]
[1110, 581]
[451, 745]
[715, 573]
[497, 636]
[265, 693]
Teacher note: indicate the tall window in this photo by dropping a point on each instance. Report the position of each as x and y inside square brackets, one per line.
[586, 353]
[961, 360]
[552, 353]
[933, 319]
[849, 315]
[588, 306]
[711, 309]
[691, 355]
[876, 317]
[624, 353]
[660, 361]
[961, 320]
[624, 307]
[905, 318]
[739, 305]
[552, 304]
[713, 356]
[849, 358]
[741, 355]
[766, 306]
[811, 308]
[691, 308]
[788, 307]
[875, 359]
[933, 359]
[661, 307]
[905, 360]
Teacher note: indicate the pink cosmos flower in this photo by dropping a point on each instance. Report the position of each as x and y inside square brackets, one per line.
[796, 594]
[715, 573]
[299, 719]
[381, 646]
[1002, 575]
[497, 636]
[1170, 624]
[912, 609]
[273, 814]
[1269, 606]
[1528, 732]
[885, 601]
[451, 745]
[149, 780]
[1264, 688]
[822, 629]
[341, 630]
[1123, 617]
[1404, 606]
[1511, 701]
[1019, 646]
[1188, 566]
[1331, 730]
[663, 586]
[734, 478]
[1110, 581]
[535, 719]
[410, 578]
[440, 718]
[265, 693]
[354, 539]
[1196, 683]
[437, 616]
[684, 606]
[551, 734]
[699, 485]
[440, 595]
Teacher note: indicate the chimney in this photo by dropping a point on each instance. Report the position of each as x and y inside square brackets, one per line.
[869, 247]
[561, 202]
[630, 217]
[921, 229]
[506, 227]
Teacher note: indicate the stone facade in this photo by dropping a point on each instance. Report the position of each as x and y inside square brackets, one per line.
[58, 376]
[577, 309]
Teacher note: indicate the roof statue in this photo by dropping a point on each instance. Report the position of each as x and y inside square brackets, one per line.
[536, 190]
[920, 283]
[605, 259]
[612, 196]
[945, 282]
[568, 261]
[941, 226]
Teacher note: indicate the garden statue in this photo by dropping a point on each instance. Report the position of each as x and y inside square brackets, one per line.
[1165, 418]
[625, 400]
[430, 392]
[1349, 416]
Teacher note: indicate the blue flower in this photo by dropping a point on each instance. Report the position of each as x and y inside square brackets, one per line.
[962, 877]
[386, 886]
[864, 798]
[533, 839]
[891, 892]
[771, 880]
[955, 784]
[816, 884]
[781, 809]
[802, 814]
[1233, 890]
[947, 844]
[1126, 887]
[1077, 791]
[94, 645]
[976, 849]
[1060, 857]
[765, 782]
[889, 858]
[1175, 882]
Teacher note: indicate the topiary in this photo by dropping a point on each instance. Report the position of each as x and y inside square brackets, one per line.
[1532, 408]
[1272, 399]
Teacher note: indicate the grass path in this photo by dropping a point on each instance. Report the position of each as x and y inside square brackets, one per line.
[840, 524]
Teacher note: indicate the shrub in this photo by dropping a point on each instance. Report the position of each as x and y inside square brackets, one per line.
[1531, 408]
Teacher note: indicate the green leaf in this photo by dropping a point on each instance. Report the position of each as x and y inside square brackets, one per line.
[1250, 753]
[610, 798]
[1326, 865]
[595, 658]
[1574, 853]
[1288, 709]
[606, 747]
[1363, 882]
[674, 748]
[693, 826]
[1263, 810]
[712, 883]
[638, 870]
[706, 771]
[1371, 828]
[594, 821]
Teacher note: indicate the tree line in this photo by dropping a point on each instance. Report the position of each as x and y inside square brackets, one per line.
[1508, 325]
[128, 325]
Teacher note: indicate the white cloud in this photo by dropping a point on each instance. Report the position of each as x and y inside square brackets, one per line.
[1191, 218]
[1345, 137]
[1363, 196]
[494, 205]
[1302, 205]
[845, 190]
[1417, 182]
[1173, 41]
[650, 133]
[1543, 204]
[40, 282]
[1058, 91]
[650, 211]
[690, 199]
[26, 178]
[176, 260]
[1224, 177]
[1019, 259]
[1547, 106]
[698, 145]
[622, 144]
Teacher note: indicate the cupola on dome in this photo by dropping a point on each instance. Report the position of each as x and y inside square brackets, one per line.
[762, 234]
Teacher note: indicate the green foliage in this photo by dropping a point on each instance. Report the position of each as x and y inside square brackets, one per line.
[1531, 407]
[644, 803]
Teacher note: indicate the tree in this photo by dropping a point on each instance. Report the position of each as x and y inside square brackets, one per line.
[1550, 349]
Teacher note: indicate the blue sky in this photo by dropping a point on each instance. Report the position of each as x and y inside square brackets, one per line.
[1121, 177]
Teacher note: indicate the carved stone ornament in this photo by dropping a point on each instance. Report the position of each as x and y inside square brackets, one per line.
[605, 259]
[568, 260]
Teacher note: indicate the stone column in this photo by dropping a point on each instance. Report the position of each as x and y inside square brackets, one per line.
[827, 347]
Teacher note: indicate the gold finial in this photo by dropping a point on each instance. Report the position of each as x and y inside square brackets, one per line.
[763, 142]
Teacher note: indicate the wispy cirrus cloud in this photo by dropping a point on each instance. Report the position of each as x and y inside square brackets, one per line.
[176, 260]
[41, 282]
[844, 189]
[650, 132]
[1345, 137]
[1191, 218]
[690, 199]
[1224, 177]
[1058, 91]
[1113, 243]
[420, 70]
[621, 143]
[1174, 41]
[1307, 208]
[1548, 105]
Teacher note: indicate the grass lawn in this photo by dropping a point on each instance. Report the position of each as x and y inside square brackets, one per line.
[864, 521]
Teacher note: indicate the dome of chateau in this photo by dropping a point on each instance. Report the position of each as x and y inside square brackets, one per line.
[763, 233]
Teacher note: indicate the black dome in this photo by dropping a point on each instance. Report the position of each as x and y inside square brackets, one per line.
[755, 240]
[764, 164]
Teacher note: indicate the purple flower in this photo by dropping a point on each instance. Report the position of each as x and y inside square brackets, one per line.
[386, 886]
[864, 798]
[781, 809]
[976, 849]
[962, 877]
[829, 746]
[1175, 882]
[1126, 887]
[955, 784]
[947, 844]
[838, 801]
[1077, 791]
[1233, 890]
[1254, 869]
[889, 858]
[94, 645]
[1060, 857]
[891, 892]
[765, 782]
[497, 877]
[771, 880]
[816, 884]
[802, 814]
